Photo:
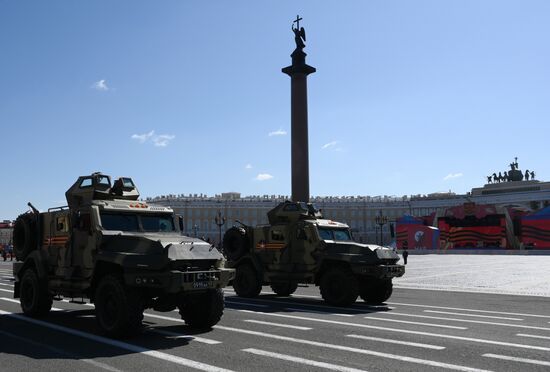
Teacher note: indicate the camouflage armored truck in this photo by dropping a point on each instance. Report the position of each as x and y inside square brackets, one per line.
[122, 254]
[300, 246]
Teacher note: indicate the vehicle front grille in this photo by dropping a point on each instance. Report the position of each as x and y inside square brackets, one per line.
[193, 265]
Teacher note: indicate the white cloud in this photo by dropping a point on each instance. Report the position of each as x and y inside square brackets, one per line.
[101, 85]
[162, 140]
[159, 140]
[248, 166]
[279, 132]
[329, 145]
[263, 177]
[451, 176]
[143, 137]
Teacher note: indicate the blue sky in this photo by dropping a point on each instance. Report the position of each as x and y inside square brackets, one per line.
[409, 96]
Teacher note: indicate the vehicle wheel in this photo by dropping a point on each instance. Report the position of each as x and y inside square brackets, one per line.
[35, 299]
[24, 236]
[339, 287]
[235, 243]
[284, 288]
[203, 310]
[246, 282]
[119, 310]
[376, 291]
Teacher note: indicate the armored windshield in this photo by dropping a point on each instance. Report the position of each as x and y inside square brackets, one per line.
[134, 222]
[334, 234]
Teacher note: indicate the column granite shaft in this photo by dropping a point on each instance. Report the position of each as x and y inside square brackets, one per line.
[298, 73]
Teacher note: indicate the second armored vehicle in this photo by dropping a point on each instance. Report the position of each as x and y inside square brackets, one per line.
[122, 254]
[300, 246]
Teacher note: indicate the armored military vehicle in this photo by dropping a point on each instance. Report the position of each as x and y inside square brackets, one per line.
[122, 254]
[300, 246]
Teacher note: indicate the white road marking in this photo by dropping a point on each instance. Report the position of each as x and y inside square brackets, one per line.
[307, 362]
[353, 350]
[473, 315]
[122, 345]
[198, 339]
[278, 324]
[399, 342]
[316, 312]
[7, 285]
[478, 340]
[18, 302]
[355, 309]
[244, 303]
[191, 338]
[471, 310]
[468, 321]
[515, 359]
[6, 290]
[417, 323]
[533, 336]
[62, 352]
[184, 336]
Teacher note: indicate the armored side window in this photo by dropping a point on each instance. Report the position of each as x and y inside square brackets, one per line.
[277, 235]
[61, 224]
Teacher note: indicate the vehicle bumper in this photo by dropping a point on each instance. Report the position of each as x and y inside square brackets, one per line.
[381, 271]
[175, 281]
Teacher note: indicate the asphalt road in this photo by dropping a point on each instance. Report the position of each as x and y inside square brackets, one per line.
[418, 330]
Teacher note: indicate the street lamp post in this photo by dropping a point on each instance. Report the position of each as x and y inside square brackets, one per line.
[220, 221]
[381, 221]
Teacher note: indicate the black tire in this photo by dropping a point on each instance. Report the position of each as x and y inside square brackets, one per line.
[203, 310]
[36, 300]
[376, 291]
[246, 282]
[284, 288]
[339, 287]
[24, 236]
[235, 243]
[119, 310]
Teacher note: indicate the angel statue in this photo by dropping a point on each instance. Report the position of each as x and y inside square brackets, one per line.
[299, 34]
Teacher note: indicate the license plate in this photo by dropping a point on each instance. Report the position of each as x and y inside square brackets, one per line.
[201, 284]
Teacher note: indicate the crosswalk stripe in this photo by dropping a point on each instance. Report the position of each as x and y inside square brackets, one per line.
[432, 363]
[478, 340]
[471, 310]
[6, 290]
[307, 362]
[6, 285]
[278, 324]
[467, 321]
[516, 359]
[122, 345]
[398, 342]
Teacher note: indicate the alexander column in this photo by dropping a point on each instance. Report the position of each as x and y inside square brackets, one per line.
[298, 73]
